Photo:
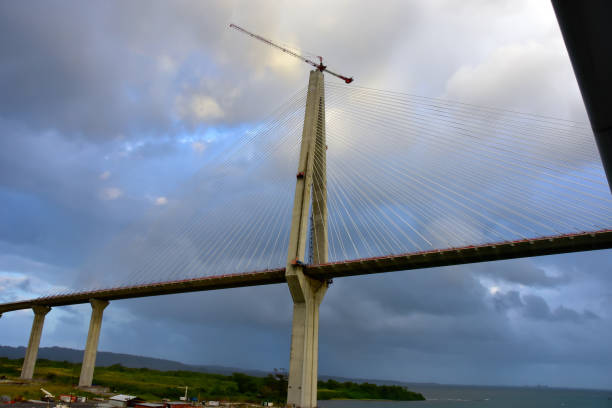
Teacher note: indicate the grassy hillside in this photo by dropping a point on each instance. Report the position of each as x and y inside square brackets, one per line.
[153, 385]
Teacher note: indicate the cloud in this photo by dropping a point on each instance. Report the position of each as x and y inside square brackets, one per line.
[105, 175]
[166, 64]
[161, 201]
[535, 307]
[530, 77]
[8, 283]
[279, 62]
[23, 277]
[199, 108]
[524, 272]
[110, 193]
[198, 147]
[505, 301]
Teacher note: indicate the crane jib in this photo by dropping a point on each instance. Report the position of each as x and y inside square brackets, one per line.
[319, 66]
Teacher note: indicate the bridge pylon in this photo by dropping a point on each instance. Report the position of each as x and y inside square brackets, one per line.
[29, 362]
[91, 346]
[307, 293]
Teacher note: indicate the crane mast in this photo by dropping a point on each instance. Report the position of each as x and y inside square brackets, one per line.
[319, 66]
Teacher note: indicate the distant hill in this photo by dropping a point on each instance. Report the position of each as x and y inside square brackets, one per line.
[105, 359]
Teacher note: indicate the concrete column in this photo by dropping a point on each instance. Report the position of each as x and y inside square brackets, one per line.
[303, 364]
[91, 347]
[307, 293]
[29, 362]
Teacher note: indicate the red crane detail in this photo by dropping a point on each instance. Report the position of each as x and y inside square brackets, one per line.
[319, 66]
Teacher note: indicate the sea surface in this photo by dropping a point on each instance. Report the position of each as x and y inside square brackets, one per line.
[490, 397]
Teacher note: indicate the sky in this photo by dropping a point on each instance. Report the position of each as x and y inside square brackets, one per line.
[108, 108]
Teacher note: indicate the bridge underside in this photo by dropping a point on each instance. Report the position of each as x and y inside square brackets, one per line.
[466, 255]
[584, 25]
[420, 260]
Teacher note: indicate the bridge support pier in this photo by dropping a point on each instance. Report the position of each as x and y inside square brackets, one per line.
[29, 362]
[91, 347]
[307, 293]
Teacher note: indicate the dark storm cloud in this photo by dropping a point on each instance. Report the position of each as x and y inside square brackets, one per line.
[426, 340]
[265, 307]
[509, 300]
[535, 307]
[60, 72]
[93, 70]
[414, 292]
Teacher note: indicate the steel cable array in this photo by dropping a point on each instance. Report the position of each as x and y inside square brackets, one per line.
[408, 173]
[405, 173]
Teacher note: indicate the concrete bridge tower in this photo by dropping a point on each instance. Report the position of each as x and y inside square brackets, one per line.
[307, 293]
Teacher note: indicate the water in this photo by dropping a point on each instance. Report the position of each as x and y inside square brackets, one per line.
[490, 397]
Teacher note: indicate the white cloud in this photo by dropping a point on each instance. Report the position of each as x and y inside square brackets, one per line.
[530, 77]
[161, 201]
[105, 175]
[198, 147]
[111, 193]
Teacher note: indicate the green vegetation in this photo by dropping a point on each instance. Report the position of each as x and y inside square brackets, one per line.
[153, 385]
[349, 390]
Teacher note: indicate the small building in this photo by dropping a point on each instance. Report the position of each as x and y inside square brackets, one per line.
[149, 405]
[68, 398]
[124, 401]
[177, 404]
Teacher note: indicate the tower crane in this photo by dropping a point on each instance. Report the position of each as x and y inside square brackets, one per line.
[319, 66]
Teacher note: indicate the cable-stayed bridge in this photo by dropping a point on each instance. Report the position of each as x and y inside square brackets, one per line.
[342, 181]
[412, 182]
[418, 260]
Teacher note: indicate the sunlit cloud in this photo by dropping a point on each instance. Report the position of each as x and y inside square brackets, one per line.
[199, 107]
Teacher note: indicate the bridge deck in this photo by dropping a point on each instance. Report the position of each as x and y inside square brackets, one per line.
[465, 255]
[451, 256]
[155, 289]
